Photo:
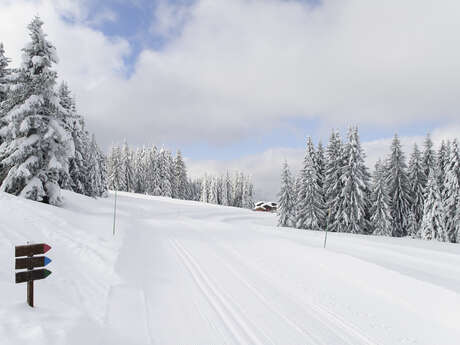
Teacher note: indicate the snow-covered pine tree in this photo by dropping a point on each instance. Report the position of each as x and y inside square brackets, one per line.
[332, 183]
[247, 195]
[204, 194]
[311, 208]
[433, 221]
[164, 173]
[114, 166]
[78, 179]
[320, 162]
[225, 192]
[219, 189]
[213, 192]
[94, 173]
[429, 156]
[140, 170]
[153, 172]
[380, 209]
[417, 181]
[172, 174]
[181, 177]
[413, 226]
[237, 189]
[286, 198]
[36, 148]
[442, 160]
[451, 195]
[127, 171]
[5, 73]
[298, 195]
[398, 189]
[194, 189]
[353, 198]
[99, 170]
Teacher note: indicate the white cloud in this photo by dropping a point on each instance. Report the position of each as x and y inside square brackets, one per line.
[241, 66]
[232, 68]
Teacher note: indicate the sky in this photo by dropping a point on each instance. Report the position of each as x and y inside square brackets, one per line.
[240, 84]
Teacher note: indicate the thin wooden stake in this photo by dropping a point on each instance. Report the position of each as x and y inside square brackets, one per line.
[114, 213]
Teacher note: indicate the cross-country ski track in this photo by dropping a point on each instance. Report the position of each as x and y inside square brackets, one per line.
[180, 272]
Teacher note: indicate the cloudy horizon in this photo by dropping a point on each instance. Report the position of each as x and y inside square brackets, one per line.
[240, 84]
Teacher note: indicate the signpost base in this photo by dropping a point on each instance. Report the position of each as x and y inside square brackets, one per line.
[30, 293]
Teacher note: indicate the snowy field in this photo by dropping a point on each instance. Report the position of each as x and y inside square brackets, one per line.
[180, 273]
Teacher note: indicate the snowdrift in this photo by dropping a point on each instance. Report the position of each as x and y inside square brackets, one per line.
[180, 272]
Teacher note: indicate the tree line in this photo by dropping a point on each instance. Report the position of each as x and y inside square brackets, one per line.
[335, 190]
[155, 171]
[229, 190]
[44, 144]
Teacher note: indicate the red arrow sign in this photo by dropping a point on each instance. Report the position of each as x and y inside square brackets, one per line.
[32, 249]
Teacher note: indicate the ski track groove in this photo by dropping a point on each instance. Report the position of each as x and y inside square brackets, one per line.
[264, 300]
[321, 310]
[229, 316]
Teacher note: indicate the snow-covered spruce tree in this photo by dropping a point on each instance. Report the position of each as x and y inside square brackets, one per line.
[451, 195]
[153, 171]
[219, 189]
[181, 177]
[247, 199]
[332, 182]
[433, 221]
[115, 176]
[320, 162]
[297, 196]
[5, 73]
[380, 209]
[172, 174]
[78, 178]
[225, 192]
[237, 189]
[417, 181]
[165, 173]
[355, 185]
[204, 193]
[140, 170]
[5, 81]
[194, 189]
[311, 209]
[98, 170]
[213, 192]
[442, 161]
[413, 226]
[36, 148]
[398, 189]
[286, 198]
[429, 156]
[126, 166]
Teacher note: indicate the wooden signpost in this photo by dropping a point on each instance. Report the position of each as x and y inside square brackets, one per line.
[25, 259]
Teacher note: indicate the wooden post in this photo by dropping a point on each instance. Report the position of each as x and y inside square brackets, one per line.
[114, 213]
[30, 293]
[30, 289]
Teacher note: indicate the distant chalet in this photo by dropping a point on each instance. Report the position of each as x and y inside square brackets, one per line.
[263, 206]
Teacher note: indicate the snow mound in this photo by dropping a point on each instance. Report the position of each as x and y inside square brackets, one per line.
[182, 272]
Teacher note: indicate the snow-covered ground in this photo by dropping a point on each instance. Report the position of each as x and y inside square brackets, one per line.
[181, 273]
